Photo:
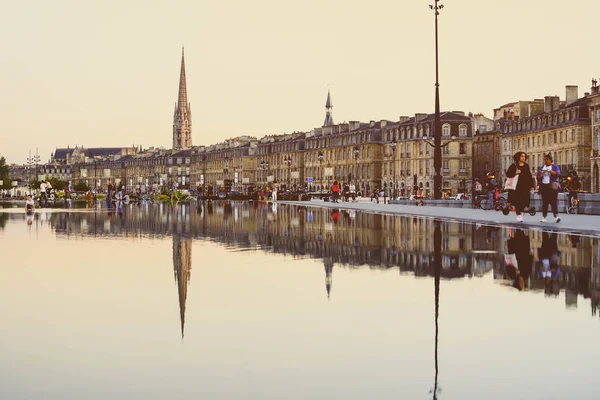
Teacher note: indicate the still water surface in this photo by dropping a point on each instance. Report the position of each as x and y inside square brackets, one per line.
[255, 301]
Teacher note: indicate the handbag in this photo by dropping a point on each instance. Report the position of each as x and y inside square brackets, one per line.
[511, 260]
[511, 183]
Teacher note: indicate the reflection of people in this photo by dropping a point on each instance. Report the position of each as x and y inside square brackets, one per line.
[519, 260]
[549, 257]
[335, 215]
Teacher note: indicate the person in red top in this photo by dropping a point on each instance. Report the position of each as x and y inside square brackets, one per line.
[336, 191]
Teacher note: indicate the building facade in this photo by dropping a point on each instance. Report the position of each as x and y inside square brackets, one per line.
[408, 154]
[562, 130]
[594, 111]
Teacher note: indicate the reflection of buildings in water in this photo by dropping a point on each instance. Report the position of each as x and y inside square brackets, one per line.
[380, 241]
[182, 271]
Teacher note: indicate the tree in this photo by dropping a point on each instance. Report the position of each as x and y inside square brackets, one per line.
[6, 182]
[58, 184]
[81, 187]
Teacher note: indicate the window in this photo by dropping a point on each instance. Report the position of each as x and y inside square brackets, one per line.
[462, 130]
[463, 148]
[463, 166]
[446, 130]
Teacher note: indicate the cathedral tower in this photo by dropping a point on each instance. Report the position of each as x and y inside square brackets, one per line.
[182, 118]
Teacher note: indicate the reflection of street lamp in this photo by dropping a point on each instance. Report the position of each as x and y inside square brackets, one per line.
[437, 150]
[437, 265]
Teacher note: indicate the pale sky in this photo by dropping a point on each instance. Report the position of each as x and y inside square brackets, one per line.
[106, 74]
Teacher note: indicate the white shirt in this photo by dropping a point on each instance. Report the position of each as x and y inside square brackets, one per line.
[43, 187]
[352, 188]
[546, 176]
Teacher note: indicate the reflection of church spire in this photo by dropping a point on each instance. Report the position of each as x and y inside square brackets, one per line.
[328, 274]
[182, 266]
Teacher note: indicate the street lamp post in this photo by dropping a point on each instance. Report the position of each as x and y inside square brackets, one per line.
[437, 151]
[321, 157]
[36, 159]
[394, 144]
[356, 155]
[439, 146]
[265, 166]
[288, 161]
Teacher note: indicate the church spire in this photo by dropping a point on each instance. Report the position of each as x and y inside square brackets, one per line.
[328, 111]
[182, 98]
[182, 117]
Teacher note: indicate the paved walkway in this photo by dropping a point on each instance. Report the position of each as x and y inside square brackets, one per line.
[582, 224]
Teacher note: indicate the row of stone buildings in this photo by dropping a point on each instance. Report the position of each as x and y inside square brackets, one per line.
[396, 156]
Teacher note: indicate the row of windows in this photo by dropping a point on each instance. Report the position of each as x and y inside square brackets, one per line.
[541, 140]
[422, 131]
[541, 122]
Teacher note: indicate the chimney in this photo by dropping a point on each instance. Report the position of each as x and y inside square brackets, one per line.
[383, 123]
[420, 117]
[571, 94]
[404, 119]
[354, 125]
[548, 104]
[555, 103]
[505, 114]
[371, 123]
[470, 115]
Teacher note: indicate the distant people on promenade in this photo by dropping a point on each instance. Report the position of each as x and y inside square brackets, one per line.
[29, 205]
[109, 193]
[520, 196]
[491, 187]
[476, 191]
[43, 196]
[335, 189]
[174, 190]
[549, 186]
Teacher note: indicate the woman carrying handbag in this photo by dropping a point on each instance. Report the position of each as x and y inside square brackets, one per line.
[548, 175]
[518, 194]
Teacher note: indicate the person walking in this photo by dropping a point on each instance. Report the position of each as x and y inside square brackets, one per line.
[548, 177]
[174, 190]
[491, 184]
[476, 192]
[520, 196]
[43, 197]
[109, 191]
[353, 191]
[335, 189]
